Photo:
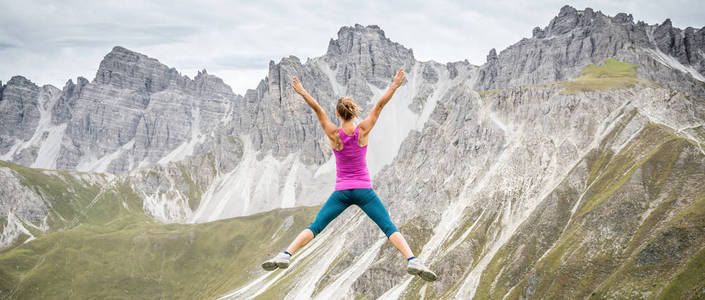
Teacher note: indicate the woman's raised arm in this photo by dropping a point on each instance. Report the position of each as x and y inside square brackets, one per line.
[369, 122]
[328, 127]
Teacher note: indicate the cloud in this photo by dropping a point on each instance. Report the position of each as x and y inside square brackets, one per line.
[240, 62]
[50, 42]
[5, 45]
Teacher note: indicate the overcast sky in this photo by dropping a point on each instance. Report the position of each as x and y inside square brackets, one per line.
[53, 41]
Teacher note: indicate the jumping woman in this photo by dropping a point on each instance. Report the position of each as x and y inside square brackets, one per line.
[352, 182]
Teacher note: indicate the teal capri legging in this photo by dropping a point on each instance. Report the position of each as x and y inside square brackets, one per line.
[366, 199]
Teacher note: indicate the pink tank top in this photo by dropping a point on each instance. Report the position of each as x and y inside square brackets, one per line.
[351, 164]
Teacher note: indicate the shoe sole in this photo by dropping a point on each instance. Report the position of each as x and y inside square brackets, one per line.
[428, 276]
[269, 266]
[282, 265]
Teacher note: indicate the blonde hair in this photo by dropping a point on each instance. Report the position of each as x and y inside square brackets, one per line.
[347, 109]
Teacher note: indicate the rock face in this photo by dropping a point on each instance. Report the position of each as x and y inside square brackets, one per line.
[287, 160]
[364, 55]
[137, 112]
[26, 129]
[506, 181]
[34, 202]
[21, 206]
[20, 111]
[531, 196]
[573, 39]
[528, 190]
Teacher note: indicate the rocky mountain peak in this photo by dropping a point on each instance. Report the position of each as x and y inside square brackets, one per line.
[127, 69]
[576, 38]
[18, 110]
[569, 18]
[667, 23]
[351, 39]
[492, 56]
[21, 81]
[624, 18]
[537, 32]
[64, 106]
[369, 31]
[208, 83]
[367, 52]
[567, 10]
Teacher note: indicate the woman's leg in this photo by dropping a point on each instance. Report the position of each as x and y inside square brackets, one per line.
[400, 243]
[301, 240]
[373, 207]
[330, 210]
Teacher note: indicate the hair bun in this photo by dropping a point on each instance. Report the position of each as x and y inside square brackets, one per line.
[347, 108]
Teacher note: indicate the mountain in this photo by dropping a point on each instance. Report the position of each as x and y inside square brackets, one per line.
[566, 166]
[666, 55]
[138, 112]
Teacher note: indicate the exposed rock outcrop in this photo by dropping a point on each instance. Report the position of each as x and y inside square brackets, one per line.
[576, 38]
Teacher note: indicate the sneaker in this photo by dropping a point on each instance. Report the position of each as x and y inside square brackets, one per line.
[279, 261]
[416, 267]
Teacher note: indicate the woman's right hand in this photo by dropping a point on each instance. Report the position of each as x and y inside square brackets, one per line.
[298, 87]
[398, 78]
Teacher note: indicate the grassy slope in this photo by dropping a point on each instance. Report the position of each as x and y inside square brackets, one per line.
[102, 245]
[69, 195]
[612, 74]
[574, 267]
[133, 257]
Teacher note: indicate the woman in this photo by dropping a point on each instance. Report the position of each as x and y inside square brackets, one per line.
[352, 183]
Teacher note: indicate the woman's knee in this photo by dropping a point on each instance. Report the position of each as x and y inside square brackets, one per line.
[389, 229]
[315, 228]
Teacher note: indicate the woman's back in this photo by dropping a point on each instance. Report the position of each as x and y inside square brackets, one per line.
[351, 163]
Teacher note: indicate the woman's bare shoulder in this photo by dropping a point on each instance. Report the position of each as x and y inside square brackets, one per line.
[363, 131]
[335, 142]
